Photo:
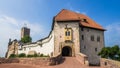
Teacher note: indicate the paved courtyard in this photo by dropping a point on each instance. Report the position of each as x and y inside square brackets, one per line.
[69, 62]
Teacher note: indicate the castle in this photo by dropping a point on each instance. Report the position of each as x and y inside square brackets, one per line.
[72, 33]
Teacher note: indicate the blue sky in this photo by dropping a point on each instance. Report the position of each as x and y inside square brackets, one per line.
[38, 14]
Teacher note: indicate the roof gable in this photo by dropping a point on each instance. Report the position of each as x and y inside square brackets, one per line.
[67, 15]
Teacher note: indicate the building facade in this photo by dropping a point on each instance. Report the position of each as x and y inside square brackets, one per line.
[72, 33]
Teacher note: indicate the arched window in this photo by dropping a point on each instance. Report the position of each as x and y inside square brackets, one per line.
[82, 37]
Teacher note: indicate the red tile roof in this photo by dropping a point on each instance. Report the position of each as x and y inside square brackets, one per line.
[67, 15]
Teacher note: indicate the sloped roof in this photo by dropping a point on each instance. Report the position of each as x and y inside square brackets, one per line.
[67, 15]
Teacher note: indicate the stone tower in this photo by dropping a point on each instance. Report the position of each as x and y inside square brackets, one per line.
[25, 31]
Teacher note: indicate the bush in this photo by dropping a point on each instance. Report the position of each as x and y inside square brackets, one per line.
[35, 55]
[22, 55]
[12, 56]
[30, 55]
[41, 55]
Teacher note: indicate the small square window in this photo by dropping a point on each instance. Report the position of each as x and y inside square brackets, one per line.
[82, 37]
[95, 49]
[88, 30]
[92, 38]
[84, 47]
[82, 29]
[98, 39]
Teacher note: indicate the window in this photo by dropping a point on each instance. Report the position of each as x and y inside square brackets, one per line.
[95, 49]
[88, 30]
[105, 63]
[82, 37]
[84, 20]
[67, 33]
[84, 47]
[98, 38]
[82, 29]
[92, 38]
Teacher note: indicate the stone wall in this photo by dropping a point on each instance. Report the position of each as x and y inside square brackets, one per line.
[107, 63]
[89, 47]
[12, 48]
[59, 32]
[42, 61]
[11, 60]
[56, 60]
[83, 59]
[35, 61]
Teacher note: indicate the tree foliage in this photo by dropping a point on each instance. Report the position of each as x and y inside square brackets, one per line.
[26, 39]
[110, 52]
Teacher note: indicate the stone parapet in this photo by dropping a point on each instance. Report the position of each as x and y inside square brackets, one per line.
[42, 61]
[11, 60]
[56, 60]
[83, 59]
[107, 63]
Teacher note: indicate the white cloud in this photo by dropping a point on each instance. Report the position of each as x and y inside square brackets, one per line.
[80, 12]
[69, 6]
[11, 20]
[10, 28]
[112, 35]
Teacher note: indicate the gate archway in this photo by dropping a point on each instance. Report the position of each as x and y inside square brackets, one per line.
[66, 51]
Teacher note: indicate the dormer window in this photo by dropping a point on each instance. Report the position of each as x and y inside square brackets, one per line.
[84, 20]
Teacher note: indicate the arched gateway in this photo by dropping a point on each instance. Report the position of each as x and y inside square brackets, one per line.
[66, 51]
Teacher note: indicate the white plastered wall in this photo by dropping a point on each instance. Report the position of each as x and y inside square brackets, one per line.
[45, 46]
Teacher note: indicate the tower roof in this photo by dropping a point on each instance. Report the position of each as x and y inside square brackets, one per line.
[67, 15]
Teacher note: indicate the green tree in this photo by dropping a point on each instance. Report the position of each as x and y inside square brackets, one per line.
[119, 55]
[110, 52]
[26, 39]
[114, 52]
[105, 52]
